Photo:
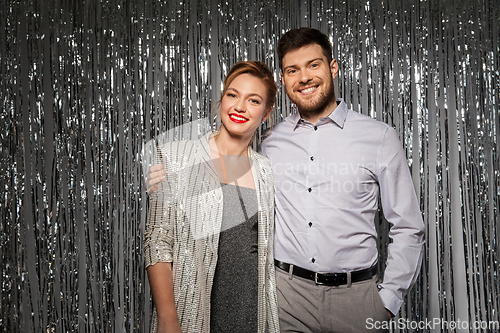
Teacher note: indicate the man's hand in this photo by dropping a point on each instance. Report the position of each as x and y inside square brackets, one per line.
[154, 177]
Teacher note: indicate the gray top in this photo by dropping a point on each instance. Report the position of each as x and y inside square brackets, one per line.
[235, 288]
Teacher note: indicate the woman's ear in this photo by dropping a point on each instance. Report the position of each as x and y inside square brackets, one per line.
[266, 114]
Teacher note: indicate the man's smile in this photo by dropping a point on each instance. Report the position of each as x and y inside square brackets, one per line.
[308, 90]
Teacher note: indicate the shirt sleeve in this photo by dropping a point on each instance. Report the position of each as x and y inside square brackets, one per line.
[261, 149]
[158, 236]
[401, 209]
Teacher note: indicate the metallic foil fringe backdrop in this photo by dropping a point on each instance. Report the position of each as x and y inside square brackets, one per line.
[84, 85]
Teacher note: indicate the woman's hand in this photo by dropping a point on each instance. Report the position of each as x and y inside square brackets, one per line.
[160, 280]
[169, 327]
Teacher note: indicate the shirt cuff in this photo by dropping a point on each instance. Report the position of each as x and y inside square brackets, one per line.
[154, 255]
[391, 301]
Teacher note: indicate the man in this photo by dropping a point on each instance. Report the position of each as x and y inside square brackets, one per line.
[331, 165]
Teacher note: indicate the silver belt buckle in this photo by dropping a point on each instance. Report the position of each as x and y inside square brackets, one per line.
[335, 277]
[316, 278]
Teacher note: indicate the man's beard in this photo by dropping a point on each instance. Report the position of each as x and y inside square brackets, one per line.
[317, 105]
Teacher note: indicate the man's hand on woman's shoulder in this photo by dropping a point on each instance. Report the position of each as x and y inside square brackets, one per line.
[154, 177]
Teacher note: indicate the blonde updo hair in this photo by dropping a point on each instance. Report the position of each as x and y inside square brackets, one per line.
[257, 69]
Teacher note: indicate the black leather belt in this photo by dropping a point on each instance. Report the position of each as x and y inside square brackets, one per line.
[328, 279]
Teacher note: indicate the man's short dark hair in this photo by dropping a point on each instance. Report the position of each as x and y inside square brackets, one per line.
[295, 39]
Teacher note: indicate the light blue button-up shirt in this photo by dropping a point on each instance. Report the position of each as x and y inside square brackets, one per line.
[329, 177]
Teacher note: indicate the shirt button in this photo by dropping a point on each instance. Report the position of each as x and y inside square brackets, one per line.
[309, 189]
[310, 224]
[315, 128]
[313, 260]
[312, 158]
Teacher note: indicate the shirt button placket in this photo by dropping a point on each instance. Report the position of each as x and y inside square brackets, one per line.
[311, 183]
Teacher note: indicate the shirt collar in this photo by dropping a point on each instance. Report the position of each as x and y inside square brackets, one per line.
[338, 115]
[294, 119]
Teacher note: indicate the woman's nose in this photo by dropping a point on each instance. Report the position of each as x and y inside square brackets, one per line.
[240, 105]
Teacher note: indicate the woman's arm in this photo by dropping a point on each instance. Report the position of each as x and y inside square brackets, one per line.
[158, 243]
[160, 280]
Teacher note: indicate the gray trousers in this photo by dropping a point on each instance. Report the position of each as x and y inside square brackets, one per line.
[305, 306]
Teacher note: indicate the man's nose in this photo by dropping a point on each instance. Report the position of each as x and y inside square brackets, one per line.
[305, 76]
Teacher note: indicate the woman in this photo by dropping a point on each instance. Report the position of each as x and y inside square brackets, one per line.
[208, 241]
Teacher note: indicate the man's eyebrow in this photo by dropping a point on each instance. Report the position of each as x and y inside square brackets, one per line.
[315, 59]
[310, 61]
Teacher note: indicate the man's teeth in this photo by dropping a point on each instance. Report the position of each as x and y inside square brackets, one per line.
[238, 118]
[308, 90]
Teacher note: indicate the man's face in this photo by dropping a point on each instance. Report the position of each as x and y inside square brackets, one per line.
[308, 79]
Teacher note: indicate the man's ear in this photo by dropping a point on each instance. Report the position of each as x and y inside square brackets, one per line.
[334, 68]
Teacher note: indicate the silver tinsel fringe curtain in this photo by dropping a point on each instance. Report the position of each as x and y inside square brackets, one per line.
[84, 85]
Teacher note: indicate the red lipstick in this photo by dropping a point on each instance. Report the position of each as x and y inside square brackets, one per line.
[237, 118]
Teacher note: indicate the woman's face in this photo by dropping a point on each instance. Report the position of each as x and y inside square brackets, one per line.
[243, 106]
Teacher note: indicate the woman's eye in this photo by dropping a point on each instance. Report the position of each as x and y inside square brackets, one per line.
[255, 101]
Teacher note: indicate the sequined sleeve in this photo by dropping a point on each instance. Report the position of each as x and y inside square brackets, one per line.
[158, 238]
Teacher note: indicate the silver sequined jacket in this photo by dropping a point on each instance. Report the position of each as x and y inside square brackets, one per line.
[183, 226]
